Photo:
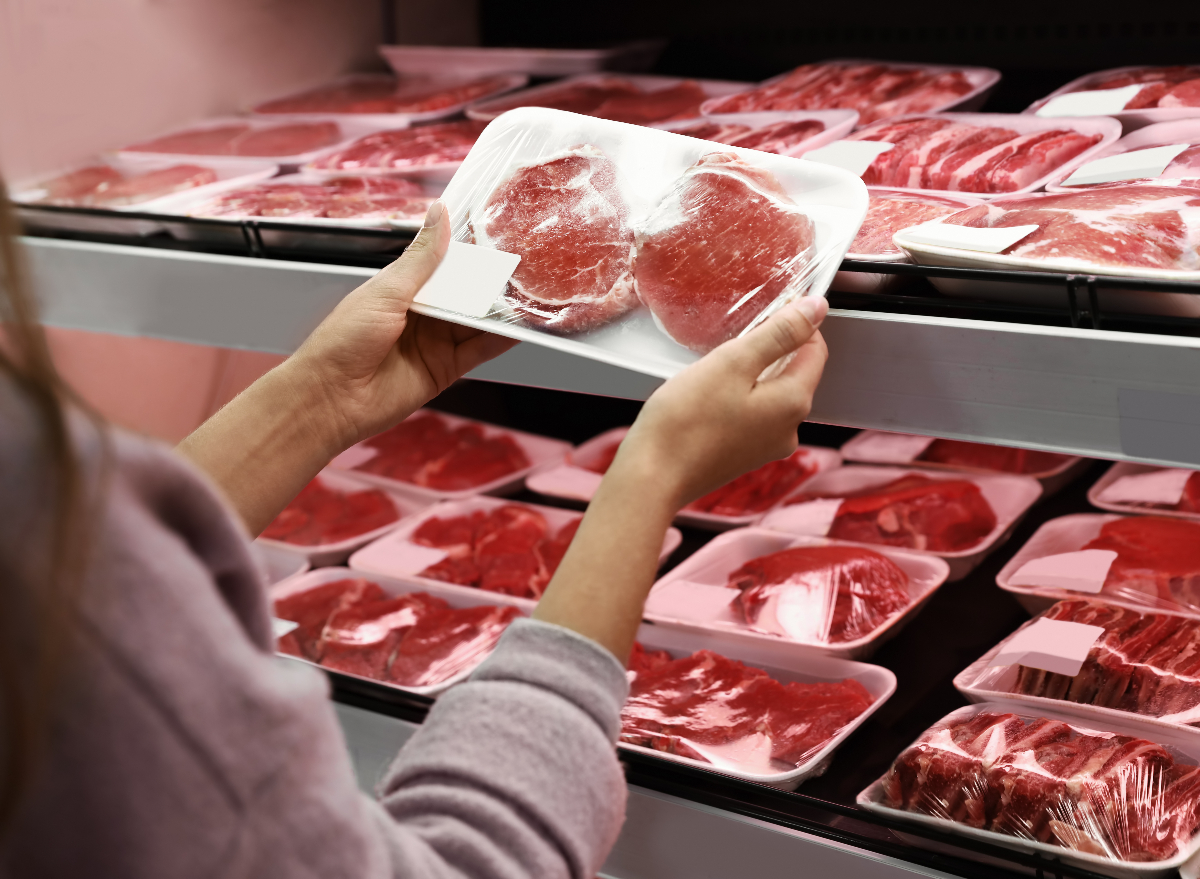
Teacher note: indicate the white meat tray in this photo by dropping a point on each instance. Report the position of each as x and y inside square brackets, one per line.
[1128, 468]
[785, 664]
[1159, 134]
[712, 564]
[279, 565]
[838, 123]
[1130, 119]
[1187, 745]
[487, 60]
[395, 555]
[1010, 498]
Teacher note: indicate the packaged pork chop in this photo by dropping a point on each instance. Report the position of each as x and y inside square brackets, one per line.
[1113, 797]
[1164, 151]
[638, 247]
[1143, 488]
[788, 133]
[1136, 96]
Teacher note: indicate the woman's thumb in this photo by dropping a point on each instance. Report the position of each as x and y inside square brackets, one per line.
[407, 275]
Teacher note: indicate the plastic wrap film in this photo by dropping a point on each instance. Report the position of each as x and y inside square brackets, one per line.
[642, 247]
[321, 514]
[781, 137]
[1108, 795]
[998, 459]
[889, 212]
[383, 95]
[714, 709]
[302, 198]
[1157, 563]
[1163, 88]
[404, 149]
[1181, 133]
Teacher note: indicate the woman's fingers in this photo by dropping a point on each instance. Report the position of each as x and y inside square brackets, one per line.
[784, 332]
[479, 350]
[404, 278]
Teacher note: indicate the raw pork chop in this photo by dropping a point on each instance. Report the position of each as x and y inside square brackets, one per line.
[720, 132]
[384, 95]
[339, 198]
[320, 515]
[76, 186]
[778, 137]
[579, 97]
[1158, 561]
[615, 98]
[822, 594]
[999, 459]
[245, 140]
[151, 185]
[720, 247]
[427, 97]
[407, 148]
[890, 212]
[361, 638]
[566, 218]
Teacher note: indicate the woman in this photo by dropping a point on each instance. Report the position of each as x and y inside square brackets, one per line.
[147, 728]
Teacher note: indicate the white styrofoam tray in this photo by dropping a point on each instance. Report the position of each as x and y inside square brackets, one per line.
[778, 659]
[1128, 468]
[322, 554]
[279, 565]
[838, 123]
[649, 162]
[392, 555]
[492, 107]
[982, 79]
[1159, 134]
[1009, 496]
[541, 451]
[487, 60]
[858, 450]
[1130, 119]
[394, 588]
[712, 564]
[1188, 746]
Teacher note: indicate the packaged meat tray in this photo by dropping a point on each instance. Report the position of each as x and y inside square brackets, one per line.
[958, 517]
[1100, 230]
[1142, 666]
[663, 224]
[1136, 96]
[1142, 488]
[482, 544]
[889, 212]
[388, 102]
[1052, 470]
[437, 456]
[488, 60]
[760, 712]
[738, 503]
[1144, 563]
[421, 639]
[1115, 798]
[1144, 158]
[876, 89]
[433, 151]
[333, 515]
[822, 596]
[786, 133]
[636, 99]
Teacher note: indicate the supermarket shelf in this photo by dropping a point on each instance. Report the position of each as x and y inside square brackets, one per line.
[1102, 393]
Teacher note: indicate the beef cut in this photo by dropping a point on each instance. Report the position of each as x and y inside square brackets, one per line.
[243, 139]
[821, 594]
[321, 515]
[386, 96]
[777, 137]
[719, 248]
[618, 99]
[1158, 561]
[311, 609]
[888, 213]
[565, 216]
[1177, 86]
[104, 187]
[758, 490]
[1000, 459]
[414, 147]
[341, 198]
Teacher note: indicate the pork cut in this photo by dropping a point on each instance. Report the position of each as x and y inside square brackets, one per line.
[888, 213]
[339, 198]
[615, 98]
[726, 242]
[243, 139]
[415, 147]
[385, 95]
[776, 137]
[104, 187]
[446, 642]
[999, 459]
[1158, 561]
[75, 187]
[566, 218]
[320, 514]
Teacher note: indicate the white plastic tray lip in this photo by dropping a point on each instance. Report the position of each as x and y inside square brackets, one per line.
[556, 516]
[870, 798]
[393, 586]
[484, 109]
[849, 450]
[541, 451]
[968, 200]
[923, 589]
[1158, 134]
[878, 681]
[1129, 468]
[486, 60]
[1019, 485]
[984, 79]
[1132, 118]
[834, 192]
[838, 123]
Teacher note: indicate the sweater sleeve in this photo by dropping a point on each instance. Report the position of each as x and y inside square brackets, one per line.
[514, 773]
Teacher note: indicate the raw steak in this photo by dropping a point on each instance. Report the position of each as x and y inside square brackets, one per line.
[245, 140]
[566, 218]
[720, 132]
[414, 147]
[358, 96]
[322, 515]
[428, 97]
[725, 243]
[758, 490]
[888, 213]
[914, 511]
[642, 660]
[618, 99]
[311, 609]
[581, 97]
[821, 594]
[1177, 86]
[1000, 459]
[779, 137]
[448, 642]
[706, 699]
[1150, 226]
[77, 186]
[216, 140]
[876, 91]
[339, 198]
[361, 638]
[1158, 561]
[151, 185]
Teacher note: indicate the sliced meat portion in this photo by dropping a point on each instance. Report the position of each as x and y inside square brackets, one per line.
[1186, 94]
[579, 97]
[680, 101]
[889, 213]
[427, 97]
[338, 198]
[361, 638]
[322, 515]
[719, 132]
[77, 187]
[151, 185]
[312, 608]
[1001, 459]
[758, 490]
[415, 147]
[446, 642]
[243, 139]
[1158, 560]
[217, 140]
[356, 96]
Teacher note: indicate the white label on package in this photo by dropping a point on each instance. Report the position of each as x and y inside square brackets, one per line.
[1134, 165]
[855, 156]
[354, 456]
[1156, 487]
[401, 558]
[1103, 102]
[469, 279]
[282, 627]
[685, 600]
[1052, 645]
[572, 481]
[986, 240]
[811, 519]
[880, 447]
[1082, 571]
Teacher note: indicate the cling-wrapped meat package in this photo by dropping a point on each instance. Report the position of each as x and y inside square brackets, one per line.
[322, 514]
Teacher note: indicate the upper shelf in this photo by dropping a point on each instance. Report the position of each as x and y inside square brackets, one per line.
[1118, 395]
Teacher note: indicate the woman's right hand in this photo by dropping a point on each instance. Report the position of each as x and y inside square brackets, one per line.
[716, 419]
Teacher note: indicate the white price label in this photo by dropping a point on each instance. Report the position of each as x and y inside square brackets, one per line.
[1133, 165]
[698, 602]
[1156, 487]
[469, 279]
[282, 627]
[881, 447]
[1102, 102]
[985, 240]
[1082, 571]
[855, 156]
[1052, 645]
[812, 519]
[355, 456]
[400, 558]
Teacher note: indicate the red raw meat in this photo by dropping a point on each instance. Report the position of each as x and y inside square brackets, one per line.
[213, 141]
[1177, 86]
[446, 642]
[1186, 165]
[888, 214]
[758, 490]
[76, 187]
[243, 140]
[359, 96]
[414, 147]
[425, 98]
[338, 198]
[719, 132]
[778, 137]
[576, 272]
[827, 594]
[457, 537]
[981, 456]
[643, 660]
[876, 91]
[1186, 94]
[321, 515]
[1152, 226]
[914, 511]
[1158, 560]
[152, 185]
[680, 101]
[724, 244]
[361, 638]
[574, 98]
[710, 700]
[313, 607]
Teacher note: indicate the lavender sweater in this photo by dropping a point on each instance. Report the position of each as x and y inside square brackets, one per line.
[184, 748]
